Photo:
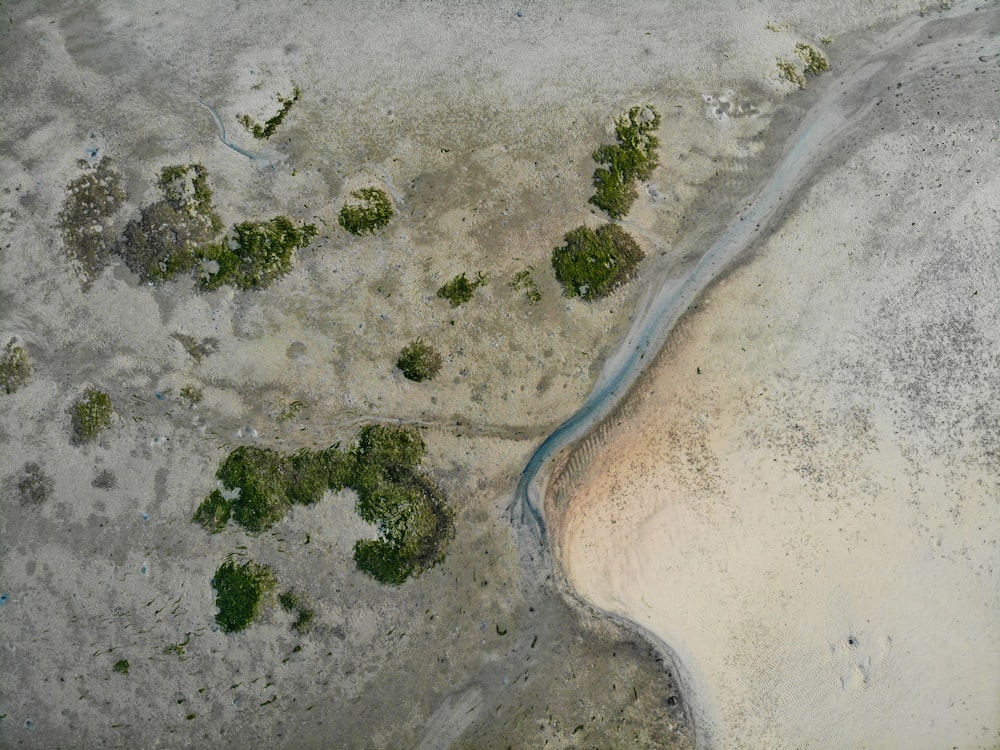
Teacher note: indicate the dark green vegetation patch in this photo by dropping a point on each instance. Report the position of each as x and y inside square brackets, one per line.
[419, 361]
[409, 510]
[459, 290]
[525, 281]
[632, 158]
[239, 589]
[257, 253]
[167, 237]
[213, 513]
[369, 212]
[591, 264]
[87, 215]
[91, 415]
[266, 130]
[121, 666]
[15, 367]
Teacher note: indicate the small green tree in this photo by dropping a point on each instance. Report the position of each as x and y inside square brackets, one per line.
[591, 264]
[459, 290]
[239, 590]
[369, 212]
[15, 367]
[419, 361]
[91, 415]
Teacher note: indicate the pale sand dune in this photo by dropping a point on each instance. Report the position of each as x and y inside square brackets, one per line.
[810, 522]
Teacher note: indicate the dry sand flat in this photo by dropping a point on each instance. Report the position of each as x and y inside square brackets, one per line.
[803, 506]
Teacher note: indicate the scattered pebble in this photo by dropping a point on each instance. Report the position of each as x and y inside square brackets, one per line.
[3, 599]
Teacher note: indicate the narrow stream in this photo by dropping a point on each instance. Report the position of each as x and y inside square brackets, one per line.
[845, 102]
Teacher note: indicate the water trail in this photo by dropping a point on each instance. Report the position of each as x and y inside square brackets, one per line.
[657, 314]
[257, 159]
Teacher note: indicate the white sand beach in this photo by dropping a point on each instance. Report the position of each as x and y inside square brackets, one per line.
[802, 503]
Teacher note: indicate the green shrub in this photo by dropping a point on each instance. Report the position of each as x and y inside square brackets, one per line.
[386, 453]
[239, 590]
[121, 666]
[266, 130]
[459, 290]
[419, 361]
[591, 264]
[632, 158]
[192, 394]
[303, 623]
[369, 212]
[213, 513]
[257, 253]
[91, 415]
[15, 367]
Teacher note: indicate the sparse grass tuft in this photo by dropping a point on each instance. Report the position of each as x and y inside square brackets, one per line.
[815, 61]
[87, 217]
[788, 72]
[524, 280]
[34, 486]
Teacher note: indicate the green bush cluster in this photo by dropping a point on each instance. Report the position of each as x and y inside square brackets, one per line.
[91, 415]
[591, 264]
[419, 361]
[265, 131]
[788, 72]
[460, 290]
[15, 367]
[632, 158]
[369, 212]
[293, 602]
[86, 218]
[409, 510]
[121, 666]
[239, 589]
[257, 253]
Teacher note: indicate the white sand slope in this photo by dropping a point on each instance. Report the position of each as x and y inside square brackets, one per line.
[805, 506]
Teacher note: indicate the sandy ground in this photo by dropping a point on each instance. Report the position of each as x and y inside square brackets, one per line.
[800, 500]
[479, 119]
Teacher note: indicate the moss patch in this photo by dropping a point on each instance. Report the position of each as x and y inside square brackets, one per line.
[165, 240]
[369, 212]
[632, 158]
[256, 254]
[15, 367]
[87, 217]
[239, 589]
[591, 264]
[419, 361]
[91, 415]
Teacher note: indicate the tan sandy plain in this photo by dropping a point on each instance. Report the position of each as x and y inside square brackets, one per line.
[803, 504]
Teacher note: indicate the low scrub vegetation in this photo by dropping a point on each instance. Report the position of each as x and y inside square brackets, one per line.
[632, 158]
[591, 264]
[369, 211]
[239, 589]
